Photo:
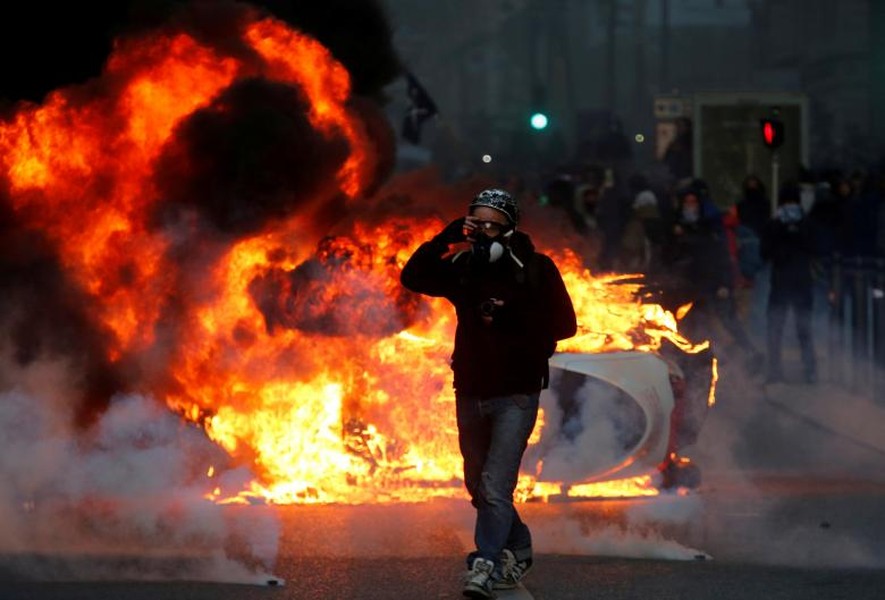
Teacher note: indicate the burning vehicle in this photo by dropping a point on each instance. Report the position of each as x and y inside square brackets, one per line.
[208, 225]
[620, 422]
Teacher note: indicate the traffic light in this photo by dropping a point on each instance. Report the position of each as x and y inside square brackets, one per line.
[539, 121]
[539, 118]
[772, 132]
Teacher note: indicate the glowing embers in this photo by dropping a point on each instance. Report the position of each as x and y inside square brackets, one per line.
[631, 487]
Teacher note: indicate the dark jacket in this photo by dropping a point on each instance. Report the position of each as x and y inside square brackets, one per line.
[754, 210]
[790, 247]
[698, 256]
[509, 354]
[828, 222]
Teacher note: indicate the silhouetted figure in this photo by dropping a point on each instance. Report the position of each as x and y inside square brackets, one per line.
[864, 216]
[612, 212]
[560, 192]
[643, 237]
[753, 209]
[788, 243]
[679, 156]
[698, 257]
[829, 218]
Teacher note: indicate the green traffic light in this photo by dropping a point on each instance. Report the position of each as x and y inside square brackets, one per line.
[539, 121]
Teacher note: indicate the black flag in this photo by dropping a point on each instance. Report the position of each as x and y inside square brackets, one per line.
[421, 108]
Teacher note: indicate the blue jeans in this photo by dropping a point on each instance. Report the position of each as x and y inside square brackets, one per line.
[493, 434]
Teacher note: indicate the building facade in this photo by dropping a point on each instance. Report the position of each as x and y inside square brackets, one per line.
[593, 64]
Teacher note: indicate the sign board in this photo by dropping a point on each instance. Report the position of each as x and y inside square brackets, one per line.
[672, 107]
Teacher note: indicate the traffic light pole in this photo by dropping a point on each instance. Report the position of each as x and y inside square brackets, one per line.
[775, 171]
[773, 138]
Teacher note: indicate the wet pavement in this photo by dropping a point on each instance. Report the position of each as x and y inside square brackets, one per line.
[792, 505]
[555, 578]
[784, 539]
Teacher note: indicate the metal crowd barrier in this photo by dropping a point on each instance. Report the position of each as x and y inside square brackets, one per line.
[856, 323]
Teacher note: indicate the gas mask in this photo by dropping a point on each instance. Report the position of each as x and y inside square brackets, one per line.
[789, 213]
[690, 214]
[487, 250]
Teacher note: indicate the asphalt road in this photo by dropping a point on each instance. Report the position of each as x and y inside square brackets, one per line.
[785, 539]
[555, 578]
[788, 508]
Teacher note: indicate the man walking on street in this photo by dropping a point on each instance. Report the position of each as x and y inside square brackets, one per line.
[512, 308]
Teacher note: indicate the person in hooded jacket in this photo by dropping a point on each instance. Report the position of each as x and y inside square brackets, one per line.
[698, 258]
[754, 207]
[788, 243]
[512, 307]
[644, 231]
[753, 211]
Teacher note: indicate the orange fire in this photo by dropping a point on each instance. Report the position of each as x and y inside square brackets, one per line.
[325, 392]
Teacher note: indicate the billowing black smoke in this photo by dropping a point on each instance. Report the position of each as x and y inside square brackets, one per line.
[334, 293]
[47, 45]
[250, 156]
[43, 316]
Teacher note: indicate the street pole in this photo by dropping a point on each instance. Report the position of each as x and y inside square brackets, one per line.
[664, 73]
[610, 47]
[775, 168]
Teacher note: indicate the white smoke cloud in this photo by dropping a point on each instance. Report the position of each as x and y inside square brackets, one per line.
[127, 493]
[586, 441]
[566, 536]
[791, 471]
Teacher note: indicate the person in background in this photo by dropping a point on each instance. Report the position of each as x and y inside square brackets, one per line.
[753, 211]
[698, 257]
[879, 244]
[612, 211]
[754, 206]
[643, 233]
[865, 215]
[788, 243]
[586, 200]
[830, 217]
[808, 189]
[679, 154]
[512, 308]
[744, 222]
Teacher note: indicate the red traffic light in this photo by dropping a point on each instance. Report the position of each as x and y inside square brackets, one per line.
[772, 132]
[768, 133]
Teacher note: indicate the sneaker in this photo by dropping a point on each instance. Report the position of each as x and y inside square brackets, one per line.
[512, 570]
[479, 579]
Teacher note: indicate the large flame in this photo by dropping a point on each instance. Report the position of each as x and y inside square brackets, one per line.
[313, 366]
